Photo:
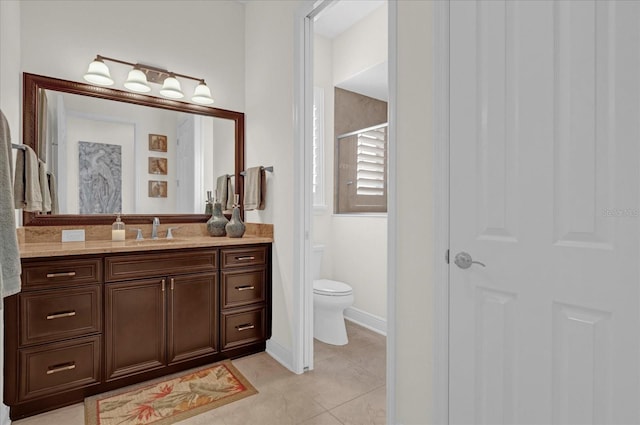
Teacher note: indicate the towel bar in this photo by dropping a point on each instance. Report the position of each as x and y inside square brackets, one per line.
[269, 169]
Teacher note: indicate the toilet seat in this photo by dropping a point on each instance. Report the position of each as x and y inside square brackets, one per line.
[332, 288]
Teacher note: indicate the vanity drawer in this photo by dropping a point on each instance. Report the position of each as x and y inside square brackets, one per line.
[242, 257]
[242, 287]
[39, 274]
[242, 326]
[52, 315]
[54, 368]
[125, 267]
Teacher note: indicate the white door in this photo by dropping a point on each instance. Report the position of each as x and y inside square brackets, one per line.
[544, 191]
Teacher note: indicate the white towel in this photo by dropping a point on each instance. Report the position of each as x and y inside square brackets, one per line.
[44, 186]
[9, 254]
[27, 192]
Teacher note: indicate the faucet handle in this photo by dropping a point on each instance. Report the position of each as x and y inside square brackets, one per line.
[139, 235]
[169, 234]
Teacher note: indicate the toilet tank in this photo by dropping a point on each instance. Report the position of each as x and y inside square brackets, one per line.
[316, 261]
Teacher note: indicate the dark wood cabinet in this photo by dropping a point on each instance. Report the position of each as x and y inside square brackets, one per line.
[135, 317]
[192, 319]
[245, 288]
[88, 324]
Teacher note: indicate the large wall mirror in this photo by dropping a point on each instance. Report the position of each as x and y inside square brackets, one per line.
[112, 151]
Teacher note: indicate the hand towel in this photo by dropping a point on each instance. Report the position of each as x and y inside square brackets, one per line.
[53, 190]
[252, 188]
[28, 194]
[263, 189]
[9, 254]
[222, 187]
[230, 194]
[44, 186]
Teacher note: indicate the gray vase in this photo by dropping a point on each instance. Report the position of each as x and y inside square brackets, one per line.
[235, 227]
[217, 223]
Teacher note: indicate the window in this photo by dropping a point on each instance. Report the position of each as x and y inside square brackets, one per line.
[318, 147]
[362, 171]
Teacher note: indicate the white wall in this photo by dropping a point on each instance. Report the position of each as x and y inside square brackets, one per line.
[199, 38]
[10, 95]
[204, 39]
[414, 226]
[355, 244]
[362, 46]
[269, 141]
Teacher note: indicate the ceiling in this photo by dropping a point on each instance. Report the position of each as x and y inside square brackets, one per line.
[335, 20]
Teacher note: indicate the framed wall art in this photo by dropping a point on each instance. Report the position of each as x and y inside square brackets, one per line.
[157, 165]
[157, 143]
[157, 189]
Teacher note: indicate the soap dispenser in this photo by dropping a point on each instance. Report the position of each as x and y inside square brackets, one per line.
[117, 230]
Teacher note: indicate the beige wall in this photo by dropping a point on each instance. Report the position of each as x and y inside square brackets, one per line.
[269, 124]
[361, 47]
[204, 39]
[414, 227]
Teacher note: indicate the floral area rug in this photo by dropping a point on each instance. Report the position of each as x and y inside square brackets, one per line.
[169, 399]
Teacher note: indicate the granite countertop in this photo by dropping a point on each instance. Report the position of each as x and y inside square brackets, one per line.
[56, 249]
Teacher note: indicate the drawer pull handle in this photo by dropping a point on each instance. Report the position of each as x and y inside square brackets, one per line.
[61, 368]
[246, 258]
[245, 288]
[61, 315]
[164, 283]
[245, 327]
[63, 274]
[173, 284]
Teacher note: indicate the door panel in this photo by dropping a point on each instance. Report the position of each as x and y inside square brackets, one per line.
[134, 327]
[544, 191]
[193, 316]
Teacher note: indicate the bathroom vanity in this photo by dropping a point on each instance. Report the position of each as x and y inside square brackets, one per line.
[101, 315]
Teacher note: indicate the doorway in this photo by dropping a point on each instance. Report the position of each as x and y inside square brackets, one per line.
[306, 132]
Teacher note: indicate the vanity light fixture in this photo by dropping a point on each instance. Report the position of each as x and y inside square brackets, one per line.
[137, 81]
[141, 75]
[171, 88]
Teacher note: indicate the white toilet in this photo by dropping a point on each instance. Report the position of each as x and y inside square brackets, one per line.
[330, 298]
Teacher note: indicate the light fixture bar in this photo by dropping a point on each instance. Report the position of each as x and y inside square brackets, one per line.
[202, 94]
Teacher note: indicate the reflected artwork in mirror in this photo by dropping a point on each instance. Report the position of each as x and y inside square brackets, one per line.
[96, 141]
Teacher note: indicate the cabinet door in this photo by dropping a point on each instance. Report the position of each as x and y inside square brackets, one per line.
[134, 327]
[193, 316]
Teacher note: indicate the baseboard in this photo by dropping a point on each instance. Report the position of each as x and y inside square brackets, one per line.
[4, 415]
[280, 354]
[366, 320]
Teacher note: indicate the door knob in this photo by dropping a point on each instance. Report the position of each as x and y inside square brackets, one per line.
[464, 260]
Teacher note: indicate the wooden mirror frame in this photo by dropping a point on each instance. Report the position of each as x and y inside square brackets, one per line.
[32, 83]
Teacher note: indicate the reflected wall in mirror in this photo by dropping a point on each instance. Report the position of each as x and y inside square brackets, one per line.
[79, 127]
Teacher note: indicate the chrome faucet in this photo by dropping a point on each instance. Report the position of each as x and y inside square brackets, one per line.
[154, 229]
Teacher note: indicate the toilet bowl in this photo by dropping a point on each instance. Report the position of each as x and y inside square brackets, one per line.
[330, 298]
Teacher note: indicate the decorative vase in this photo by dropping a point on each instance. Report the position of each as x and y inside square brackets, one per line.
[217, 222]
[235, 227]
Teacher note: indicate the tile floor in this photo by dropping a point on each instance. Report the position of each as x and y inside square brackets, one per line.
[347, 387]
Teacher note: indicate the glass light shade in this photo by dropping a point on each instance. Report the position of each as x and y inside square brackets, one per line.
[202, 94]
[98, 73]
[171, 88]
[137, 81]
